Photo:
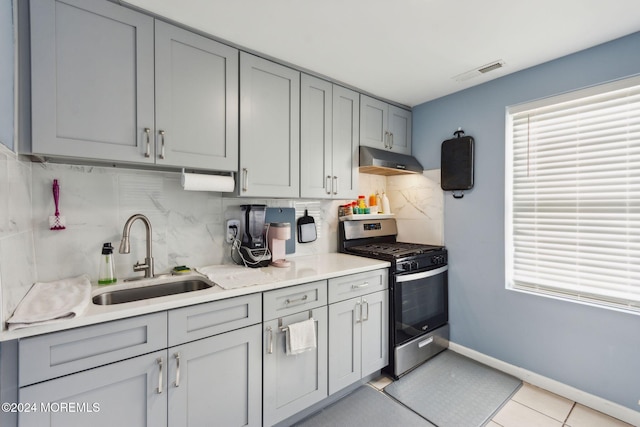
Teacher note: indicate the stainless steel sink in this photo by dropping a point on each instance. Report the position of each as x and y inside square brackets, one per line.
[150, 291]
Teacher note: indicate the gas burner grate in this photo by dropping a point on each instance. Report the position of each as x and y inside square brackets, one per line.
[394, 249]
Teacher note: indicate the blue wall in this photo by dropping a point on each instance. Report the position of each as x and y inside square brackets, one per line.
[6, 73]
[593, 349]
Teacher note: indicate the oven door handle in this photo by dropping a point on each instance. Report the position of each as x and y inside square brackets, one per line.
[417, 276]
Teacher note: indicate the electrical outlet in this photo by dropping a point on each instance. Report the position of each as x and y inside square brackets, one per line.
[232, 230]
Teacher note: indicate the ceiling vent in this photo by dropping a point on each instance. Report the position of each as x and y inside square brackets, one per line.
[477, 72]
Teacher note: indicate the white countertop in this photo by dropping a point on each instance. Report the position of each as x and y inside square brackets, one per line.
[303, 269]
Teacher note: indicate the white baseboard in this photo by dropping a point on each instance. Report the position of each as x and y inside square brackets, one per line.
[599, 404]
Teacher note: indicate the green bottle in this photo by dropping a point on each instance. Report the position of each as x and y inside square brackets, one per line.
[107, 274]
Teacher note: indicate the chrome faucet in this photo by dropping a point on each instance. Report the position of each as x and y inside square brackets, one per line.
[125, 246]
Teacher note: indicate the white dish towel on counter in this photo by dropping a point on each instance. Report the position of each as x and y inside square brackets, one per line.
[235, 276]
[301, 337]
[49, 302]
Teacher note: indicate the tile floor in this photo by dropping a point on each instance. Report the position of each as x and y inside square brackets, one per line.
[535, 407]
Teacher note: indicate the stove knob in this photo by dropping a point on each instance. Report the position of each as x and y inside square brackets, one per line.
[414, 265]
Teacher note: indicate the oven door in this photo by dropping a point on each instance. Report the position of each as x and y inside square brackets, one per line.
[420, 303]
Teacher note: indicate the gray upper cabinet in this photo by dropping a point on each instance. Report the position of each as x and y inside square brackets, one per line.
[269, 129]
[329, 137]
[91, 81]
[94, 65]
[196, 100]
[384, 126]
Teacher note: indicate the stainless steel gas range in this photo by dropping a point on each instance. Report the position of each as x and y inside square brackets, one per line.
[418, 284]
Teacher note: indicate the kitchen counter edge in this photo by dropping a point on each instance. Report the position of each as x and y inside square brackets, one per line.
[308, 268]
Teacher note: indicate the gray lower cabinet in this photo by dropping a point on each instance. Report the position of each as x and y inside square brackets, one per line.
[384, 126]
[112, 84]
[292, 383]
[127, 393]
[216, 381]
[122, 373]
[358, 338]
[269, 129]
[329, 138]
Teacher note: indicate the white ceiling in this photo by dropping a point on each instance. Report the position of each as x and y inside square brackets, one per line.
[407, 51]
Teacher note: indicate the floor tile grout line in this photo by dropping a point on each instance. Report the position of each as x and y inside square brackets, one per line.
[569, 414]
[545, 414]
[402, 404]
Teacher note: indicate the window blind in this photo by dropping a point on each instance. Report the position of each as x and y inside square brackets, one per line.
[573, 196]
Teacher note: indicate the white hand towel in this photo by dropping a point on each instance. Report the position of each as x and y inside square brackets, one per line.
[48, 302]
[301, 337]
[235, 276]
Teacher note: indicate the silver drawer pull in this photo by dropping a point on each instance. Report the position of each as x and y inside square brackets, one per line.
[159, 362]
[245, 179]
[334, 186]
[291, 301]
[358, 308]
[364, 285]
[270, 342]
[425, 342]
[328, 184]
[177, 356]
[364, 301]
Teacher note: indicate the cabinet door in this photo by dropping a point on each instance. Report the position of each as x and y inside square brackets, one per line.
[344, 343]
[269, 128]
[346, 139]
[196, 100]
[373, 122]
[375, 332]
[91, 80]
[293, 382]
[315, 138]
[400, 128]
[216, 381]
[128, 393]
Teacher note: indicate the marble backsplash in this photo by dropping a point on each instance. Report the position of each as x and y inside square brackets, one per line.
[417, 202]
[188, 226]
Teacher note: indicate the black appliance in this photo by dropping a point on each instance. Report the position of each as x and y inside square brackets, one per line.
[418, 286]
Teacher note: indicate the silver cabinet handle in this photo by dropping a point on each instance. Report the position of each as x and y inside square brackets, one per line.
[147, 152]
[335, 185]
[291, 301]
[245, 179]
[177, 356]
[364, 285]
[359, 313]
[161, 132]
[390, 139]
[386, 139]
[270, 341]
[160, 363]
[328, 184]
[364, 301]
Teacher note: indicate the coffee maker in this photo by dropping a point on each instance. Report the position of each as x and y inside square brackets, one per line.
[252, 251]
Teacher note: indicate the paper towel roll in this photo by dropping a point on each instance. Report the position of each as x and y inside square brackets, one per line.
[202, 182]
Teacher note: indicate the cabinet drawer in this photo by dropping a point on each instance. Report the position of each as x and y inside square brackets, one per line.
[294, 299]
[346, 287]
[61, 353]
[204, 320]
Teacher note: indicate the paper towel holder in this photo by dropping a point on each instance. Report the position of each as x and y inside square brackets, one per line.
[220, 175]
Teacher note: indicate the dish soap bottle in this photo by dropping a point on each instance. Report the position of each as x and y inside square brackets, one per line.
[107, 274]
[386, 209]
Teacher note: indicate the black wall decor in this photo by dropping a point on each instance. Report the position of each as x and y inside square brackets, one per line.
[456, 163]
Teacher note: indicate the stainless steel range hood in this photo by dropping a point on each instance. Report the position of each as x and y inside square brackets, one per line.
[382, 162]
